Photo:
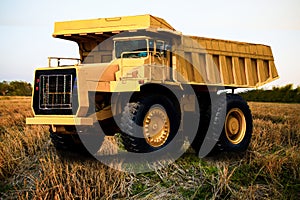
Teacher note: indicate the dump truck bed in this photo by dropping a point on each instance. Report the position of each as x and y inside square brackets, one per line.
[223, 62]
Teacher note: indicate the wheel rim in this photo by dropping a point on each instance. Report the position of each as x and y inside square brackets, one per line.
[235, 126]
[156, 126]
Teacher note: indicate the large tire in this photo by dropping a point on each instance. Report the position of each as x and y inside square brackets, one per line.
[149, 124]
[70, 140]
[235, 117]
[205, 115]
[63, 141]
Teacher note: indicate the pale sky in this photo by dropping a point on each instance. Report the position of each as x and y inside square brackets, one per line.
[26, 28]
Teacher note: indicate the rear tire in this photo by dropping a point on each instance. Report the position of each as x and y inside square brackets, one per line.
[237, 125]
[149, 124]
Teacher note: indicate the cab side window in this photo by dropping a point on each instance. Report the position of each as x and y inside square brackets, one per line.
[160, 48]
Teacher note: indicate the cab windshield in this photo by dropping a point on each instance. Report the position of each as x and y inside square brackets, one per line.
[131, 48]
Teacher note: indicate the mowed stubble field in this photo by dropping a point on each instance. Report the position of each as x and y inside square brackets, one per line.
[30, 167]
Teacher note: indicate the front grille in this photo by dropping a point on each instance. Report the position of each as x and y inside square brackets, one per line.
[55, 92]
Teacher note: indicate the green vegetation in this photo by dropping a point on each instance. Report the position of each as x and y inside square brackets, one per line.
[285, 94]
[15, 88]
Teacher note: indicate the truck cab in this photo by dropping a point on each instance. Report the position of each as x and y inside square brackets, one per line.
[138, 56]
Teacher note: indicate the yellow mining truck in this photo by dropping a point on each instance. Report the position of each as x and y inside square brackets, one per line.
[139, 77]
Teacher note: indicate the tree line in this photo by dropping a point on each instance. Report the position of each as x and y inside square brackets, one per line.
[284, 94]
[15, 88]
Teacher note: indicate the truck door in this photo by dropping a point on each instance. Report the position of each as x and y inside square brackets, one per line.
[160, 53]
[163, 57]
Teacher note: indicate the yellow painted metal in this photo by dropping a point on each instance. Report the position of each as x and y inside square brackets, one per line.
[207, 61]
[124, 86]
[60, 120]
[112, 25]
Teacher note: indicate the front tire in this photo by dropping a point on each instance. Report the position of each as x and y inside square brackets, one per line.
[70, 140]
[64, 141]
[149, 124]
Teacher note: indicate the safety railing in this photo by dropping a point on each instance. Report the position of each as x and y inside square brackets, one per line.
[59, 59]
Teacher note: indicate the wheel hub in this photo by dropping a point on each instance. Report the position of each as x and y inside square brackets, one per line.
[156, 126]
[235, 126]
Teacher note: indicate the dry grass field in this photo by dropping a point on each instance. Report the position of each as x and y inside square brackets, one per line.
[30, 167]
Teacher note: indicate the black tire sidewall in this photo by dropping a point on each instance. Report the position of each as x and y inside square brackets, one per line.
[235, 101]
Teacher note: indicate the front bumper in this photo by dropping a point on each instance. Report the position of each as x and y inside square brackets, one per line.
[60, 120]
